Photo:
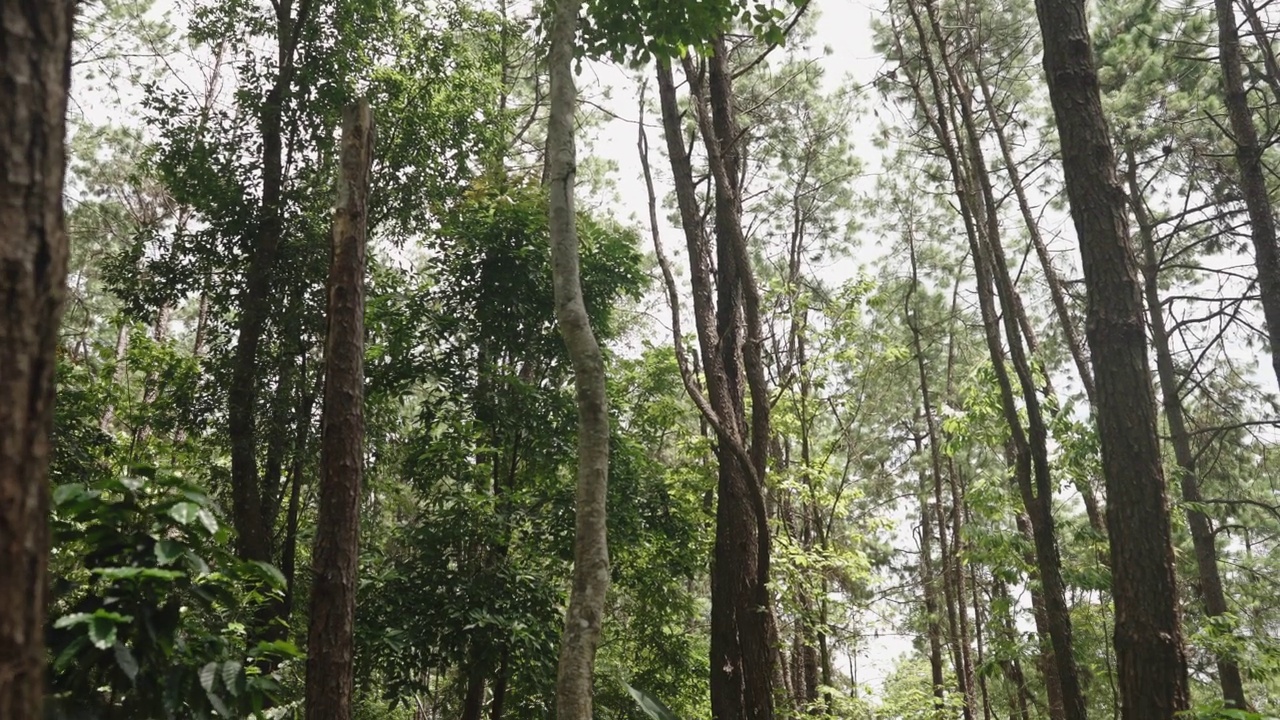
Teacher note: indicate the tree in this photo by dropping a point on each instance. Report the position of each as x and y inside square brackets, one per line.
[1148, 635]
[1253, 180]
[590, 546]
[335, 562]
[35, 62]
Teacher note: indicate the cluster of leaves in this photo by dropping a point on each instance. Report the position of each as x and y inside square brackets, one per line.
[152, 611]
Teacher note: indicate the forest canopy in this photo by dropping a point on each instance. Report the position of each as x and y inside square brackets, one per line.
[639, 359]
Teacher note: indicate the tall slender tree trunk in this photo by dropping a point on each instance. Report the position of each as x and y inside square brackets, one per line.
[35, 62]
[1202, 538]
[335, 561]
[1152, 665]
[1045, 659]
[745, 666]
[253, 534]
[950, 574]
[574, 676]
[1253, 181]
[1028, 457]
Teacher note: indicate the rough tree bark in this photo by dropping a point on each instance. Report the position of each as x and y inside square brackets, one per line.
[330, 638]
[581, 637]
[35, 61]
[746, 667]
[1152, 666]
[1253, 181]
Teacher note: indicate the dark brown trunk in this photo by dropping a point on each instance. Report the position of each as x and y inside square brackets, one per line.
[978, 644]
[928, 581]
[498, 704]
[1046, 663]
[1029, 450]
[744, 665]
[335, 561]
[1253, 181]
[1056, 293]
[473, 701]
[253, 534]
[35, 62]
[1202, 539]
[1151, 661]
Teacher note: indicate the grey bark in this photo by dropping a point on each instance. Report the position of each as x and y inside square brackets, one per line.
[576, 670]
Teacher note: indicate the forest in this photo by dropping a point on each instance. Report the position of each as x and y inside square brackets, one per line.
[639, 360]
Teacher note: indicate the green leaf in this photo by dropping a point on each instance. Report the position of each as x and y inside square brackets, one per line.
[72, 619]
[219, 706]
[270, 573]
[231, 676]
[127, 662]
[168, 550]
[207, 519]
[63, 493]
[184, 512]
[102, 632]
[652, 706]
[134, 572]
[208, 676]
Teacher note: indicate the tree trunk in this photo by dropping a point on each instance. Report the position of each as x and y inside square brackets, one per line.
[744, 668]
[1202, 539]
[1151, 661]
[1046, 662]
[576, 670]
[35, 62]
[253, 535]
[952, 579]
[1253, 181]
[335, 562]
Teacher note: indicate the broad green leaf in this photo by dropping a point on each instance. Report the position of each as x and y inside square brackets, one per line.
[127, 662]
[207, 519]
[652, 706]
[231, 676]
[102, 632]
[184, 512]
[208, 676]
[168, 551]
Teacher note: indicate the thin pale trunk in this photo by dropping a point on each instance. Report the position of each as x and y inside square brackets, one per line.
[335, 560]
[576, 670]
[1151, 661]
[119, 376]
[1202, 539]
[35, 62]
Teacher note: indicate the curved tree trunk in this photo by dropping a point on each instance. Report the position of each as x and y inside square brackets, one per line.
[590, 548]
[35, 62]
[1152, 664]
